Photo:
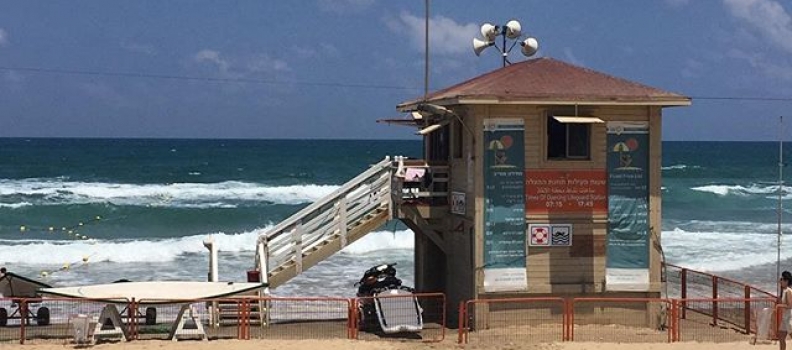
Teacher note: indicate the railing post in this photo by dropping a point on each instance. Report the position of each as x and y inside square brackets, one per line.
[714, 300]
[342, 220]
[239, 319]
[675, 324]
[297, 240]
[683, 292]
[248, 311]
[571, 312]
[461, 322]
[22, 322]
[566, 320]
[747, 311]
[132, 319]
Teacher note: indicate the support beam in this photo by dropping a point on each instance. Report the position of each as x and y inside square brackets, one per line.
[415, 222]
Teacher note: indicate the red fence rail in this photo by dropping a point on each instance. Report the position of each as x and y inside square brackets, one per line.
[686, 284]
[621, 319]
[300, 318]
[698, 307]
[513, 320]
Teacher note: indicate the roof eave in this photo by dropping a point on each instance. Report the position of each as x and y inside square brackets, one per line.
[669, 102]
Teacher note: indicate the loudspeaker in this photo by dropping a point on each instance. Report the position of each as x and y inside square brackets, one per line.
[480, 45]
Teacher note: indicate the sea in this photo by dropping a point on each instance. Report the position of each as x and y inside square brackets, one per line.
[86, 211]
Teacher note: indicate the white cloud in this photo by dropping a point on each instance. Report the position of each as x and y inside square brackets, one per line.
[344, 6]
[212, 57]
[264, 63]
[767, 17]
[3, 37]
[323, 50]
[446, 36]
[240, 66]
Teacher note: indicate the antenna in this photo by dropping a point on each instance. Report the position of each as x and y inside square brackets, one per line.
[780, 195]
[426, 52]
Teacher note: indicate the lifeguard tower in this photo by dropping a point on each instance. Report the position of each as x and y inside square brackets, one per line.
[553, 184]
[538, 179]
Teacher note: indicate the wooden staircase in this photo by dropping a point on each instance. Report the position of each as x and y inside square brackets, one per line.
[323, 228]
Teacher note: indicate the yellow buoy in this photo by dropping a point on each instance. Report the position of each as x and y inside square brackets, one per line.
[22, 228]
[80, 224]
[98, 217]
[71, 231]
[44, 273]
[51, 229]
[85, 258]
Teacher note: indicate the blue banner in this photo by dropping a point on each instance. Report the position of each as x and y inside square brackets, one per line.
[504, 206]
[627, 267]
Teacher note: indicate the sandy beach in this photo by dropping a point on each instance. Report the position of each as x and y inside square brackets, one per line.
[382, 345]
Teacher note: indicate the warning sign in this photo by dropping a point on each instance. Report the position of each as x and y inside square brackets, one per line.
[562, 235]
[546, 235]
[540, 235]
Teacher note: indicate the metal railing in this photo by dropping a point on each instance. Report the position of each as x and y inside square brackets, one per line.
[516, 320]
[687, 284]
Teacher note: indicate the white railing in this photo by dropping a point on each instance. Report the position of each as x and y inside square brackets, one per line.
[328, 219]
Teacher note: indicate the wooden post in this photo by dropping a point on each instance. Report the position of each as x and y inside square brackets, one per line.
[342, 221]
[683, 293]
[714, 300]
[23, 312]
[747, 311]
[131, 319]
[675, 320]
[297, 240]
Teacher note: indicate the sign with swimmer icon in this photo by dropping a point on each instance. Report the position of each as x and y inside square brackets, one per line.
[504, 206]
[627, 264]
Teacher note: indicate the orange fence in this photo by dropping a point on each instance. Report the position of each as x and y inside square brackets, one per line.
[514, 320]
[56, 320]
[482, 321]
[623, 320]
[719, 320]
[427, 309]
[300, 318]
[689, 284]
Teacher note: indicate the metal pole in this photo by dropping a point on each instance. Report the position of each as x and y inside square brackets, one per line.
[503, 34]
[426, 53]
[780, 195]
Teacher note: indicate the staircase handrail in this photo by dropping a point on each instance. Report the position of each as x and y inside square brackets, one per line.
[343, 190]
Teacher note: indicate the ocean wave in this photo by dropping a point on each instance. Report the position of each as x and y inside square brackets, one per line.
[681, 167]
[226, 194]
[740, 227]
[48, 252]
[720, 251]
[15, 205]
[738, 190]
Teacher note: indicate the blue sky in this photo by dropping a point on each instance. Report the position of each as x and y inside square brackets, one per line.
[695, 47]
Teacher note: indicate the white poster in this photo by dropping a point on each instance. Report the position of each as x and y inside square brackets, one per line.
[505, 280]
[627, 280]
